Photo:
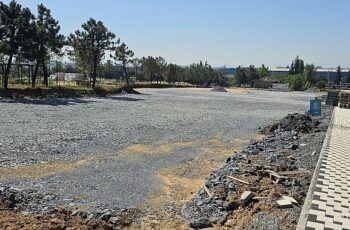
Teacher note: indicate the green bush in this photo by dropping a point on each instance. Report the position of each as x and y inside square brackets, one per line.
[281, 78]
[321, 84]
[298, 82]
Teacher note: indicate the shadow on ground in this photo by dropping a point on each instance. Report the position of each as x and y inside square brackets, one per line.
[126, 99]
[49, 101]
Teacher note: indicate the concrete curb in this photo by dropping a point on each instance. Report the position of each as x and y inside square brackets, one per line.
[307, 204]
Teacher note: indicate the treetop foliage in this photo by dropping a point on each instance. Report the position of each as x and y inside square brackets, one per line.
[297, 66]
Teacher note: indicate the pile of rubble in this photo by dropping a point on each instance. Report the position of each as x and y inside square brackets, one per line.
[218, 89]
[28, 201]
[265, 177]
[294, 122]
[332, 98]
[344, 101]
[31, 202]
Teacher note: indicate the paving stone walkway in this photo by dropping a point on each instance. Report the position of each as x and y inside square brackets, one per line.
[328, 203]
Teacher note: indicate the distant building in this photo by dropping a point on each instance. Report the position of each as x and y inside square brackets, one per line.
[68, 76]
[325, 72]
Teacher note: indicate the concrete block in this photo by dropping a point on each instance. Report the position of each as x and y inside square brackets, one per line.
[246, 196]
[282, 203]
[291, 199]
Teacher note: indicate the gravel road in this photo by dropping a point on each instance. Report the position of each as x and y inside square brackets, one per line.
[105, 152]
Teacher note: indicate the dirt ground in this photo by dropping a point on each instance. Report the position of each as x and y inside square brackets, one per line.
[58, 221]
[213, 113]
[179, 184]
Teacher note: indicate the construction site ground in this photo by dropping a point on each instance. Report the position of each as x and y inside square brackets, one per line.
[142, 156]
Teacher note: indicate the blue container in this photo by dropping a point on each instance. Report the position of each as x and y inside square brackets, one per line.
[315, 108]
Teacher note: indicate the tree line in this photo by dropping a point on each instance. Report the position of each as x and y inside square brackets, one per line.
[300, 76]
[36, 38]
[247, 75]
[303, 76]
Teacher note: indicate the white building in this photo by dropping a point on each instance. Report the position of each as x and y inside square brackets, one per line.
[325, 72]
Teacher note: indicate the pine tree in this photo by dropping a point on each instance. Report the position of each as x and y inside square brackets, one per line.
[124, 55]
[90, 46]
[45, 40]
[338, 76]
[297, 66]
[14, 32]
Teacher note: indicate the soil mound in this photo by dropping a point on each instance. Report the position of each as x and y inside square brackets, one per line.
[218, 89]
[294, 122]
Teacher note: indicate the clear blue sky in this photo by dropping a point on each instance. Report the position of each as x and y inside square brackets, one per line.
[230, 32]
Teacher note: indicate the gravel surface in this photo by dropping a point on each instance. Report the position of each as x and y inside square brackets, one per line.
[83, 136]
[291, 146]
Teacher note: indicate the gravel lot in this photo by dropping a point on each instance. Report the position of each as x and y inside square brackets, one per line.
[80, 139]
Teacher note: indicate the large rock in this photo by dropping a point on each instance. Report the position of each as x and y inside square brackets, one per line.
[200, 223]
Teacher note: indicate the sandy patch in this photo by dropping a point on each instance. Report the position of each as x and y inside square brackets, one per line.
[181, 182]
[142, 149]
[145, 149]
[37, 171]
[237, 90]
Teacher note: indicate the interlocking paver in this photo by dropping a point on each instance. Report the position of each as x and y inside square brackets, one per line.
[330, 204]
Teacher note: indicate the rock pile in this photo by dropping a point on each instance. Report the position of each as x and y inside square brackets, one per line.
[28, 200]
[264, 171]
[332, 98]
[344, 100]
[294, 122]
[32, 202]
[218, 89]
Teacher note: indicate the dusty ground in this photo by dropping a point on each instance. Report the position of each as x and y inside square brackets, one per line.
[221, 206]
[157, 148]
[11, 220]
[181, 182]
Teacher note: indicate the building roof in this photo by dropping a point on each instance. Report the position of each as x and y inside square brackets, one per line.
[320, 70]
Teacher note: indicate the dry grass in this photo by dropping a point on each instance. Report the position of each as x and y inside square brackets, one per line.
[181, 182]
[37, 171]
[236, 90]
[145, 149]
[142, 149]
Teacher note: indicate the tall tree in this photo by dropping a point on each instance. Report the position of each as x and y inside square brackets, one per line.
[171, 73]
[150, 68]
[15, 23]
[263, 71]
[297, 66]
[240, 75]
[90, 45]
[142, 64]
[338, 76]
[124, 55]
[46, 41]
[252, 74]
[109, 70]
[310, 73]
[161, 67]
[136, 62]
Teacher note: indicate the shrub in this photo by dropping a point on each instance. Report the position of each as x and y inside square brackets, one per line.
[298, 82]
[321, 84]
